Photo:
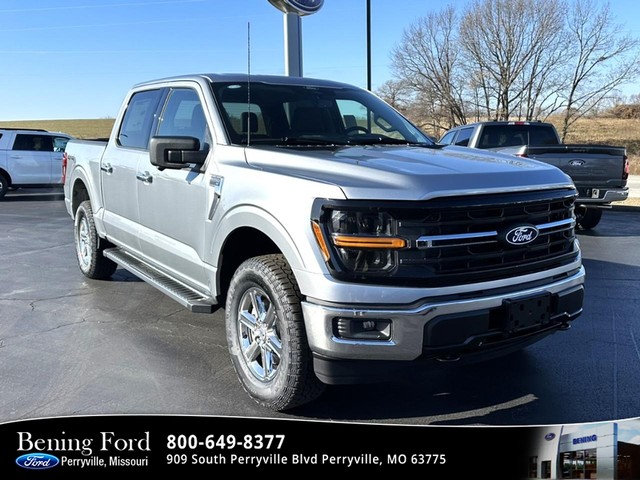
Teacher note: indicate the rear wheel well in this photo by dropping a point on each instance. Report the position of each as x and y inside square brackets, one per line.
[241, 244]
[6, 176]
[78, 195]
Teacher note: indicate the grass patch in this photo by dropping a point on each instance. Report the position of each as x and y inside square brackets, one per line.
[85, 129]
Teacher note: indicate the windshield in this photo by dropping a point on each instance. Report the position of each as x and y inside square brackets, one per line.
[290, 115]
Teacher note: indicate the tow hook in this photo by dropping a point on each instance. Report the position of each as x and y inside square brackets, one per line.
[449, 358]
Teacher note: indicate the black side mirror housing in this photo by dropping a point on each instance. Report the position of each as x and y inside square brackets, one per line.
[176, 152]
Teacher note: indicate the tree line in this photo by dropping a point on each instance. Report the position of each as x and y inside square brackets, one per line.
[510, 59]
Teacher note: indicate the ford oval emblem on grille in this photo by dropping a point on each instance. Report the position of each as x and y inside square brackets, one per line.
[576, 163]
[522, 235]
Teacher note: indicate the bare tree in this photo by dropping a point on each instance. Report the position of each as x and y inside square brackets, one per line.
[429, 63]
[513, 46]
[602, 60]
[420, 107]
[502, 59]
[395, 93]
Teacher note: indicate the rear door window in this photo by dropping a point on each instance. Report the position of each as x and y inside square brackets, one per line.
[138, 119]
[33, 143]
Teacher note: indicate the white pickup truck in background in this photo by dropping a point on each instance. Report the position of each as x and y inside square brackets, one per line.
[30, 158]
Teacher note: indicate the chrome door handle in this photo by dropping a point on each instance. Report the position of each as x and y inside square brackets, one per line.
[15, 156]
[106, 167]
[145, 177]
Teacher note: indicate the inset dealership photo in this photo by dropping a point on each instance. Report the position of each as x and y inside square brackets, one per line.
[601, 450]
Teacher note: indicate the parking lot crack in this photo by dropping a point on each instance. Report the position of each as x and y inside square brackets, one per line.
[32, 302]
[34, 251]
[3, 341]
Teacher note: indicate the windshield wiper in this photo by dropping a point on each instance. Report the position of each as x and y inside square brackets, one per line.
[378, 140]
[300, 141]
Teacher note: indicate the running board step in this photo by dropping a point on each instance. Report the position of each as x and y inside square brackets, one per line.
[181, 293]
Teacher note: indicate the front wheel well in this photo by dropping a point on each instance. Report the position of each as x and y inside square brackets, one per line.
[242, 244]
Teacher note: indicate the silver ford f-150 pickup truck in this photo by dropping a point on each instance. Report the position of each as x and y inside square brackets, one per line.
[342, 243]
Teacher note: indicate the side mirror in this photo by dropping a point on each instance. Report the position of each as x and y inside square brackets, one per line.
[176, 152]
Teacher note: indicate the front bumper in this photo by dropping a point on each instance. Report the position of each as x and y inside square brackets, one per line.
[442, 328]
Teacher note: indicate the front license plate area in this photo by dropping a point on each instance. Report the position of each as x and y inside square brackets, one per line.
[523, 313]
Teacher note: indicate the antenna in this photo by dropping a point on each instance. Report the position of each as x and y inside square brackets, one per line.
[249, 84]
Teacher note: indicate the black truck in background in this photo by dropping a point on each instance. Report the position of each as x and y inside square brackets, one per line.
[599, 172]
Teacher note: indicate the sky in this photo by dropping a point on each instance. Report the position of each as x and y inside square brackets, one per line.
[65, 59]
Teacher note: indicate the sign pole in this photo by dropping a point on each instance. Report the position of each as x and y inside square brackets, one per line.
[293, 11]
[293, 45]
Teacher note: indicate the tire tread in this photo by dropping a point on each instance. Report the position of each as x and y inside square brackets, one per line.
[302, 385]
[101, 267]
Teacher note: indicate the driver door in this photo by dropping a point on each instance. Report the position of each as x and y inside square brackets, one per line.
[173, 202]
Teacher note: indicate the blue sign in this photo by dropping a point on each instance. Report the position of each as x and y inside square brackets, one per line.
[37, 461]
[587, 439]
[300, 7]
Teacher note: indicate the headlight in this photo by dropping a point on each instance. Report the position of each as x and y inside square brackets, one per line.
[363, 242]
[345, 222]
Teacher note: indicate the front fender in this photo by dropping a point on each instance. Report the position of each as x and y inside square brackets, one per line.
[255, 217]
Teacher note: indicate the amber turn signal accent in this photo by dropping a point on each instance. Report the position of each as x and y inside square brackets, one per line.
[317, 232]
[388, 243]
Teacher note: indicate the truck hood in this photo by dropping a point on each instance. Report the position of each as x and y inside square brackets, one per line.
[408, 172]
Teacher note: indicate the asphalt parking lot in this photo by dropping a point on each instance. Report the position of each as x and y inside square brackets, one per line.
[73, 346]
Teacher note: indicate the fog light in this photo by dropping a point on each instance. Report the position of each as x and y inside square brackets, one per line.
[370, 329]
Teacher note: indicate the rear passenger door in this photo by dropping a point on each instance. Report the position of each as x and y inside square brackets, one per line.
[119, 167]
[30, 160]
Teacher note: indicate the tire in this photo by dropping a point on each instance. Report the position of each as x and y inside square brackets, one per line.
[266, 335]
[4, 185]
[589, 217]
[89, 245]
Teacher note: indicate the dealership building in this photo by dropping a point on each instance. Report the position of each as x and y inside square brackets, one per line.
[588, 451]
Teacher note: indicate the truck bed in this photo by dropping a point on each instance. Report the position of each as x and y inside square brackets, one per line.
[588, 165]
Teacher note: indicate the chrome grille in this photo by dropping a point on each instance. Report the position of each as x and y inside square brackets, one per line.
[458, 240]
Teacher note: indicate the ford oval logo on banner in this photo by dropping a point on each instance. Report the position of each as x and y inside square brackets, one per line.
[549, 436]
[521, 235]
[37, 461]
[307, 5]
[299, 7]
